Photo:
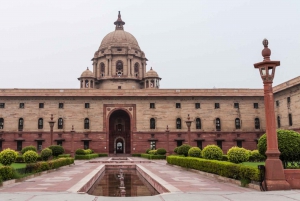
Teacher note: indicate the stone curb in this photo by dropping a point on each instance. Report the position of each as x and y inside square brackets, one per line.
[218, 177]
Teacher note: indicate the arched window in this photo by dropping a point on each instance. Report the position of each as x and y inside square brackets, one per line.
[119, 68]
[218, 124]
[237, 123]
[81, 83]
[278, 122]
[198, 123]
[257, 123]
[152, 123]
[92, 84]
[20, 124]
[102, 69]
[86, 84]
[60, 124]
[40, 123]
[136, 69]
[178, 123]
[86, 123]
[1, 123]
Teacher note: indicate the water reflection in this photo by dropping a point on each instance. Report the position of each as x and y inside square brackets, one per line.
[127, 183]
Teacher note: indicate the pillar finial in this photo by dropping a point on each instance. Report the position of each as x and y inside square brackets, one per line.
[266, 52]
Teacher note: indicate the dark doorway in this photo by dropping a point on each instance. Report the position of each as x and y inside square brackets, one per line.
[119, 132]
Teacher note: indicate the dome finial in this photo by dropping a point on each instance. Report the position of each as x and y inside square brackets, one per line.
[119, 23]
[151, 68]
[266, 52]
[87, 68]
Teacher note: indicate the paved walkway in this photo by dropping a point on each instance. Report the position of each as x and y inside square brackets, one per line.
[191, 186]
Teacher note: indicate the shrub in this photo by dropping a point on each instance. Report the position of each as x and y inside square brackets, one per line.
[237, 155]
[183, 149]
[28, 148]
[42, 166]
[136, 155]
[212, 152]
[30, 156]
[224, 158]
[157, 157]
[147, 151]
[7, 157]
[255, 156]
[145, 156]
[176, 149]
[161, 151]
[80, 152]
[56, 150]
[194, 152]
[153, 152]
[88, 151]
[48, 165]
[19, 159]
[6, 173]
[288, 145]
[46, 154]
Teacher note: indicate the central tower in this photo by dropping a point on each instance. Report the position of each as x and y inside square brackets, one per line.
[119, 63]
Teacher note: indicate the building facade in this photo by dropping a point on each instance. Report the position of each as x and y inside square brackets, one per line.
[120, 108]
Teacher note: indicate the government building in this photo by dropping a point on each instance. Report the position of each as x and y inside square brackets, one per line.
[119, 108]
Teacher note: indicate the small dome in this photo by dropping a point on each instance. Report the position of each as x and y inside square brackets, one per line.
[119, 38]
[151, 73]
[87, 73]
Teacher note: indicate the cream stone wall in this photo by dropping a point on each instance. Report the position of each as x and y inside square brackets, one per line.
[165, 112]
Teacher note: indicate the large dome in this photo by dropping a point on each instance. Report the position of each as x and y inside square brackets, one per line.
[119, 38]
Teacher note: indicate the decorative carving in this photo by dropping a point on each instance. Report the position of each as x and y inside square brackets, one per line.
[130, 109]
[108, 109]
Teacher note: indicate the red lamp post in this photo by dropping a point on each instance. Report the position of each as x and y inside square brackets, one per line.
[188, 124]
[167, 132]
[51, 123]
[72, 141]
[274, 176]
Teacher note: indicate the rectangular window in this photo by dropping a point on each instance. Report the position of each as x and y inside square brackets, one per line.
[119, 87]
[239, 143]
[152, 105]
[60, 105]
[39, 145]
[219, 143]
[41, 105]
[290, 120]
[59, 142]
[179, 143]
[217, 105]
[277, 103]
[2, 105]
[236, 105]
[197, 105]
[19, 145]
[86, 144]
[178, 105]
[288, 100]
[152, 145]
[22, 105]
[255, 105]
[87, 105]
[199, 144]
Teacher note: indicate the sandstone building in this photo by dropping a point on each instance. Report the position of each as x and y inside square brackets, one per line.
[120, 108]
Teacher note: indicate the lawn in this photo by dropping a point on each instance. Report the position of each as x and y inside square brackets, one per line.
[253, 164]
[17, 165]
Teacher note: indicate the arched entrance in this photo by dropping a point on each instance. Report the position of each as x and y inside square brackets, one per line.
[119, 132]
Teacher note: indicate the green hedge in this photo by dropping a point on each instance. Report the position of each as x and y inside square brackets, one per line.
[64, 156]
[102, 155]
[136, 155]
[222, 168]
[86, 157]
[48, 165]
[150, 156]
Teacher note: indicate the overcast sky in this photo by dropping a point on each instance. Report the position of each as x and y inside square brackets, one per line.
[191, 44]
